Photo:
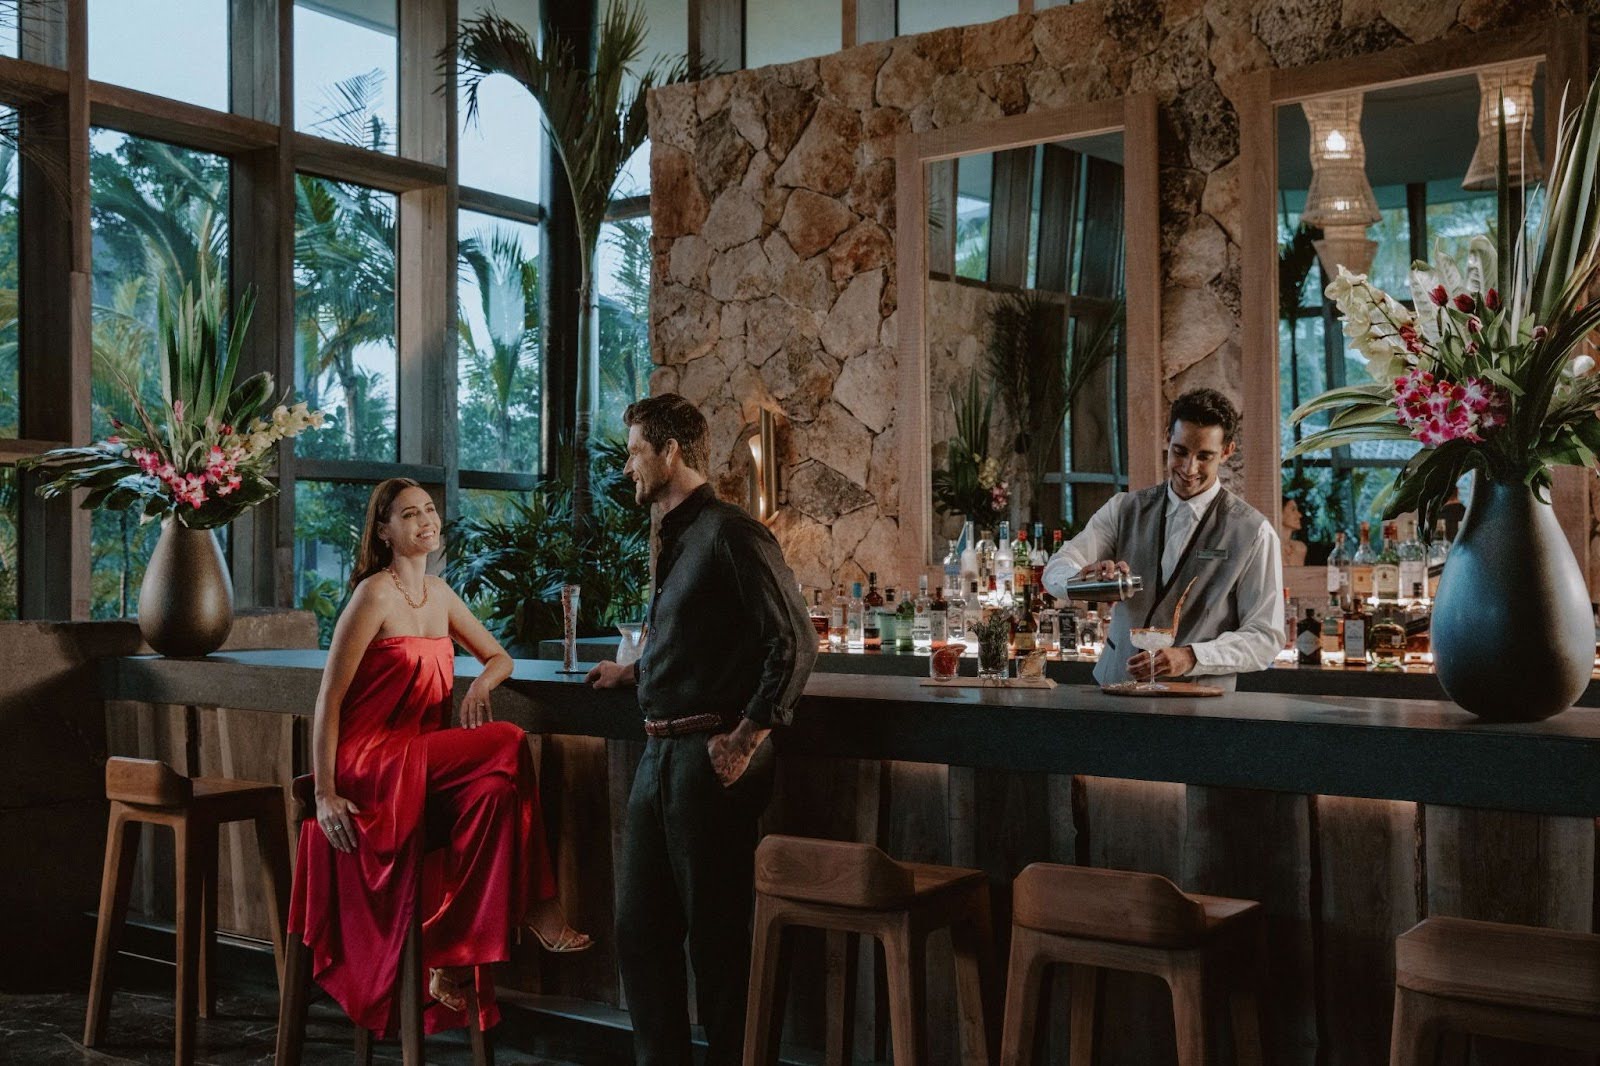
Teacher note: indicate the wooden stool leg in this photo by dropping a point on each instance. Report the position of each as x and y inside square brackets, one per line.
[904, 956]
[189, 843]
[272, 841]
[411, 984]
[1188, 983]
[207, 972]
[363, 1046]
[974, 951]
[1085, 997]
[1414, 1040]
[764, 1012]
[1024, 981]
[292, 998]
[841, 1000]
[482, 1049]
[116, 883]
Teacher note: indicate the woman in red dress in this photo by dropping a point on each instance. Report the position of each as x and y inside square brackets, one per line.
[383, 754]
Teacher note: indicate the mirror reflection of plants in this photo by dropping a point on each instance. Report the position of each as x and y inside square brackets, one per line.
[511, 565]
[970, 484]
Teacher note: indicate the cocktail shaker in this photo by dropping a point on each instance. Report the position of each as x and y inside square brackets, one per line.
[1106, 590]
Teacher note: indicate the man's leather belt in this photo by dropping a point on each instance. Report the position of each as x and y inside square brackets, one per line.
[677, 727]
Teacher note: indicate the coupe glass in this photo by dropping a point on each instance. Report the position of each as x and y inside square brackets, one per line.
[1150, 640]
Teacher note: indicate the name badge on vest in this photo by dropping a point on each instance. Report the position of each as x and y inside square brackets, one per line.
[1211, 553]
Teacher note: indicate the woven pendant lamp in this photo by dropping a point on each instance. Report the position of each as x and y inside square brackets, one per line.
[1340, 200]
[1523, 164]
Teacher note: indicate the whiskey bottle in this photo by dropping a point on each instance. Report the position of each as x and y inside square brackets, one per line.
[1355, 632]
[889, 619]
[1308, 639]
[871, 632]
[1417, 618]
[855, 620]
[1387, 640]
[1361, 564]
[1025, 633]
[1437, 552]
[938, 620]
[836, 616]
[1333, 632]
[1386, 571]
[819, 617]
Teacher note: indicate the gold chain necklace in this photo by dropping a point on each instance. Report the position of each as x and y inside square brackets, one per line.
[414, 605]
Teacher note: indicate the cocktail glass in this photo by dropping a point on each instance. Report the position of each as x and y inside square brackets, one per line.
[1150, 640]
[945, 662]
[632, 642]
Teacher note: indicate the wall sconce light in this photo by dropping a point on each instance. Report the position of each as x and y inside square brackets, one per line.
[761, 488]
[1340, 200]
[1523, 164]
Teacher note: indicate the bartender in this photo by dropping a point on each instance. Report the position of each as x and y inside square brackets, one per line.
[1189, 527]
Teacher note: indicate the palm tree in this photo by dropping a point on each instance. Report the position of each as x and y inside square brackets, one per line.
[625, 317]
[508, 294]
[595, 115]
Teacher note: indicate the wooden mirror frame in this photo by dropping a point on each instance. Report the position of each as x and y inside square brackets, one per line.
[1563, 46]
[1135, 118]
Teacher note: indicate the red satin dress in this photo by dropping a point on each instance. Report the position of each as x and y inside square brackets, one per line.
[483, 851]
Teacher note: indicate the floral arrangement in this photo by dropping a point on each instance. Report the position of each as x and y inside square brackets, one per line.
[1487, 374]
[203, 458]
[972, 482]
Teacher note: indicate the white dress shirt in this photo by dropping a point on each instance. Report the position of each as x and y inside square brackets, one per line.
[1260, 634]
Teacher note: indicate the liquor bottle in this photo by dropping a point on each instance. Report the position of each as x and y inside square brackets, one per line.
[1355, 632]
[819, 617]
[1049, 622]
[1025, 632]
[1308, 639]
[938, 620]
[1089, 632]
[973, 612]
[871, 633]
[855, 620]
[904, 631]
[1004, 560]
[955, 627]
[1339, 569]
[888, 619]
[1021, 561]
[1386, 571]
[1333, 632]
[836, 626]
[985, 556]
[1361, 567]
[952, 566]
[1387, 640]
[969, 556]
[1413, 563]
[1291, 621]
[921, 625]
[1418, 618]
[991, 596]
[1437, 551]
[1037, 557]
[1067, 626]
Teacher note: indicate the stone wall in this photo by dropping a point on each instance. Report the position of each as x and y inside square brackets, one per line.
[773, 209]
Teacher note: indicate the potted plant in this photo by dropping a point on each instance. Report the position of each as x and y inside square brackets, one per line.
[971, 484]
[196, 463]
[1488, 373]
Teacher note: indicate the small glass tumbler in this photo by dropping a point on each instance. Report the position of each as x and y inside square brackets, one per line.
[945, 662]
[631, 646]
[994, 658]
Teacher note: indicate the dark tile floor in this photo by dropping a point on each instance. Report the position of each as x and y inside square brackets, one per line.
[45, 1030]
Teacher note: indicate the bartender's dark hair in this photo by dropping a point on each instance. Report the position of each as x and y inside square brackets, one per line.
[1206, 407]
[671, 417]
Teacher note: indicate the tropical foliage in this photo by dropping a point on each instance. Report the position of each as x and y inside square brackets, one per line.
[970, 483]
[1487, 371]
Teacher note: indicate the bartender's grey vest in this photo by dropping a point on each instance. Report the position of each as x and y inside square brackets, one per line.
[1219, 546]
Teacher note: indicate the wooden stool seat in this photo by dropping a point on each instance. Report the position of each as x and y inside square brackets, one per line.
[1094, 920]
[1456, 975]
[409, 979]
[850, 890]
[146, 791]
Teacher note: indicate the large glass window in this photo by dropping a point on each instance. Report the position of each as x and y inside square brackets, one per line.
[500, 363]
[502, 146]
[159, 215]
[8, 542]
[345, 355]
[926, 15]
[780, 31]
[8, 28]
[974, 200]
[327, 531]
[346, 71]
[174, 48]
[10, 216]
[624, 296]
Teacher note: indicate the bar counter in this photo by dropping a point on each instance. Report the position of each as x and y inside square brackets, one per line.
[1399, 749]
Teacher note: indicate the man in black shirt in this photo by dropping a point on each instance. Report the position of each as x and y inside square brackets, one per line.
[730, 646]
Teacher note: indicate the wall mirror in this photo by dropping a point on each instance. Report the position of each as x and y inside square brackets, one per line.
[1372, 163]
[1020, 244]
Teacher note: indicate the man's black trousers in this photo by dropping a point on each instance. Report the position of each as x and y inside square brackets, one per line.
[687, 873]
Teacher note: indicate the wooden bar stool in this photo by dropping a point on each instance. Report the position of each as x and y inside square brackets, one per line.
[1455, 976]
[850, 889]
[1114, 920]
[148, 791]
[297, 983]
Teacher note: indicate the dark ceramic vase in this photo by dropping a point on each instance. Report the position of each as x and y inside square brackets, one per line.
[186, 600]
[1513, 632]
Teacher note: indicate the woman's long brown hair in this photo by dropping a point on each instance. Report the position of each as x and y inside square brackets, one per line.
[374, 554]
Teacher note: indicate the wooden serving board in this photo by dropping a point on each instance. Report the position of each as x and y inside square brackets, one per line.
[978, 682]
[1173, 688]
